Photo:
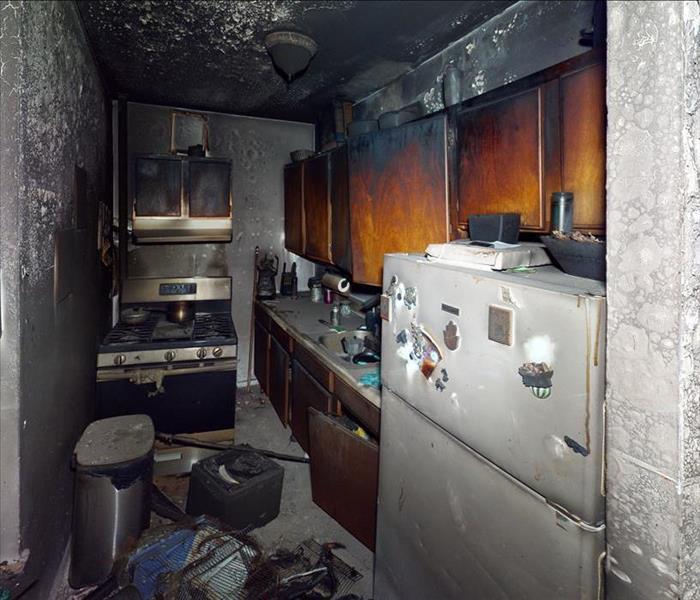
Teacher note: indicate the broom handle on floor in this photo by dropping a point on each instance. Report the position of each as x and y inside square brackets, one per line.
[252, 317]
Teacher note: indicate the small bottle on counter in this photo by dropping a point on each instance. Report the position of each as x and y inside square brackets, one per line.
[335, 315]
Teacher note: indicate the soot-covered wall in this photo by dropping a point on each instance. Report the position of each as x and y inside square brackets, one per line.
[258, 149]
[54, 118]
[527, 37]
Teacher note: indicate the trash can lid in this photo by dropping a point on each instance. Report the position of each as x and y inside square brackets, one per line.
[115, 440]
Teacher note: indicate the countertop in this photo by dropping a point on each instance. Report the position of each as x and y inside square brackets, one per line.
[300, 318]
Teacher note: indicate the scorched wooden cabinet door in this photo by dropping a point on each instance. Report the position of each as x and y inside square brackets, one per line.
[278, 378]
[317, 209]
[398, 194]
[583, 122]
[344, 475]
[546, 133]
[294, 208]
[306, 392]
[341, 250]
[501, 158]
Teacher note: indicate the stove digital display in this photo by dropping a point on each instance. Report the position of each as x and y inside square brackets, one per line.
[177, 289]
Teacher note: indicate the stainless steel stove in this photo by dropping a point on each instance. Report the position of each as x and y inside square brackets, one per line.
[181, 374]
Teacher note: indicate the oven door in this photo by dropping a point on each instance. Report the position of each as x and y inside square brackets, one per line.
[185, 398]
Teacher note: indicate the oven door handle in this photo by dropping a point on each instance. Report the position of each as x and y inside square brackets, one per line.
[113, 374]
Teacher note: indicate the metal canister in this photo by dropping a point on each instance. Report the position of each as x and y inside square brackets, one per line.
[562, 211]
[316, 290]
[335, 315]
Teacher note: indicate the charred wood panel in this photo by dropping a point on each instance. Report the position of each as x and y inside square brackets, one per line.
[294, 208]
[341, 250]
[398, 194]
[317, 210]
[501, 156]
[583, 120]
[278, 377]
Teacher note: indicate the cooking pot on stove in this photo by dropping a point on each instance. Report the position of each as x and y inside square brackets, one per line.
[180, 312]
[135, 316]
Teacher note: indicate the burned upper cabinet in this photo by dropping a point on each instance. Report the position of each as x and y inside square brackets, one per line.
[294, 208]
[398, 194]
[180, 199]
[545, 133]
[317, 209]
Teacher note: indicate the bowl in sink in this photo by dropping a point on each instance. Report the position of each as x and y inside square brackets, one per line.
[349, 344]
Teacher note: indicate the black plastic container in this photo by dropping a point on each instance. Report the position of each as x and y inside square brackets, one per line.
[583, 259]
[498, 227]
[240, 487]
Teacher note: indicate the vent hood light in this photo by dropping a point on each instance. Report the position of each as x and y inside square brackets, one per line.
[291, 52]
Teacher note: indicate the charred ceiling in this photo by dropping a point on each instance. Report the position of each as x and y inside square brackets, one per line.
[210, 54]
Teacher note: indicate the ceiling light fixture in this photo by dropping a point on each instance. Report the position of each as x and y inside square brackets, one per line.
[291, 52]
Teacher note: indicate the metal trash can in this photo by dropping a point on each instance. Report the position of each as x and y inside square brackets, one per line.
[111, 507]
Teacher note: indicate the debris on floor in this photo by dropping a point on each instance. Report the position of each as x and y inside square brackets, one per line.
[240, 487]
[204, 559]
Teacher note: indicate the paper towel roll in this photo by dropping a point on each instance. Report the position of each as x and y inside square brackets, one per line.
[337, 283]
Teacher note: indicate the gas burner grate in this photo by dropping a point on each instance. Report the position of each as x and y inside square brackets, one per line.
[212, 326]
[129, 333]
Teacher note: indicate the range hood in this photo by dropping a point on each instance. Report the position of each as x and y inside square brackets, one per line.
[181, 199]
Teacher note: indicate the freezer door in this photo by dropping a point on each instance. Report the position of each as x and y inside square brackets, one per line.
[451, 525]
[511, 365]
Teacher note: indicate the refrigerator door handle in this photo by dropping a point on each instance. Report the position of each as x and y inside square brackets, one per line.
[580, 523]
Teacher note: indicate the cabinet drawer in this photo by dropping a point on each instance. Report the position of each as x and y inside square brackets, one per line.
[361, 409]
[314, 366]
[280, 335]
[344, 476]
[262, 316]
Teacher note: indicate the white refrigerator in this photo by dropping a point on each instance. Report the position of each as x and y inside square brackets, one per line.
[491, 478]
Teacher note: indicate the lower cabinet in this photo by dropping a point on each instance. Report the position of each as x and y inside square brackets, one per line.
[261, 356]
[306, 393]
[344, 475]
[278, 378]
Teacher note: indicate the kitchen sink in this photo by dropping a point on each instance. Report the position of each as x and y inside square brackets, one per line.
[334, 343]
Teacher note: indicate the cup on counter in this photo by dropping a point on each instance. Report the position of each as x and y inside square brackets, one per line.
[327, 296]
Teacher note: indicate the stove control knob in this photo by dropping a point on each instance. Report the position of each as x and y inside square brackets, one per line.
[169, 355]
[119, 359]
[217, 352]
[201, 353]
